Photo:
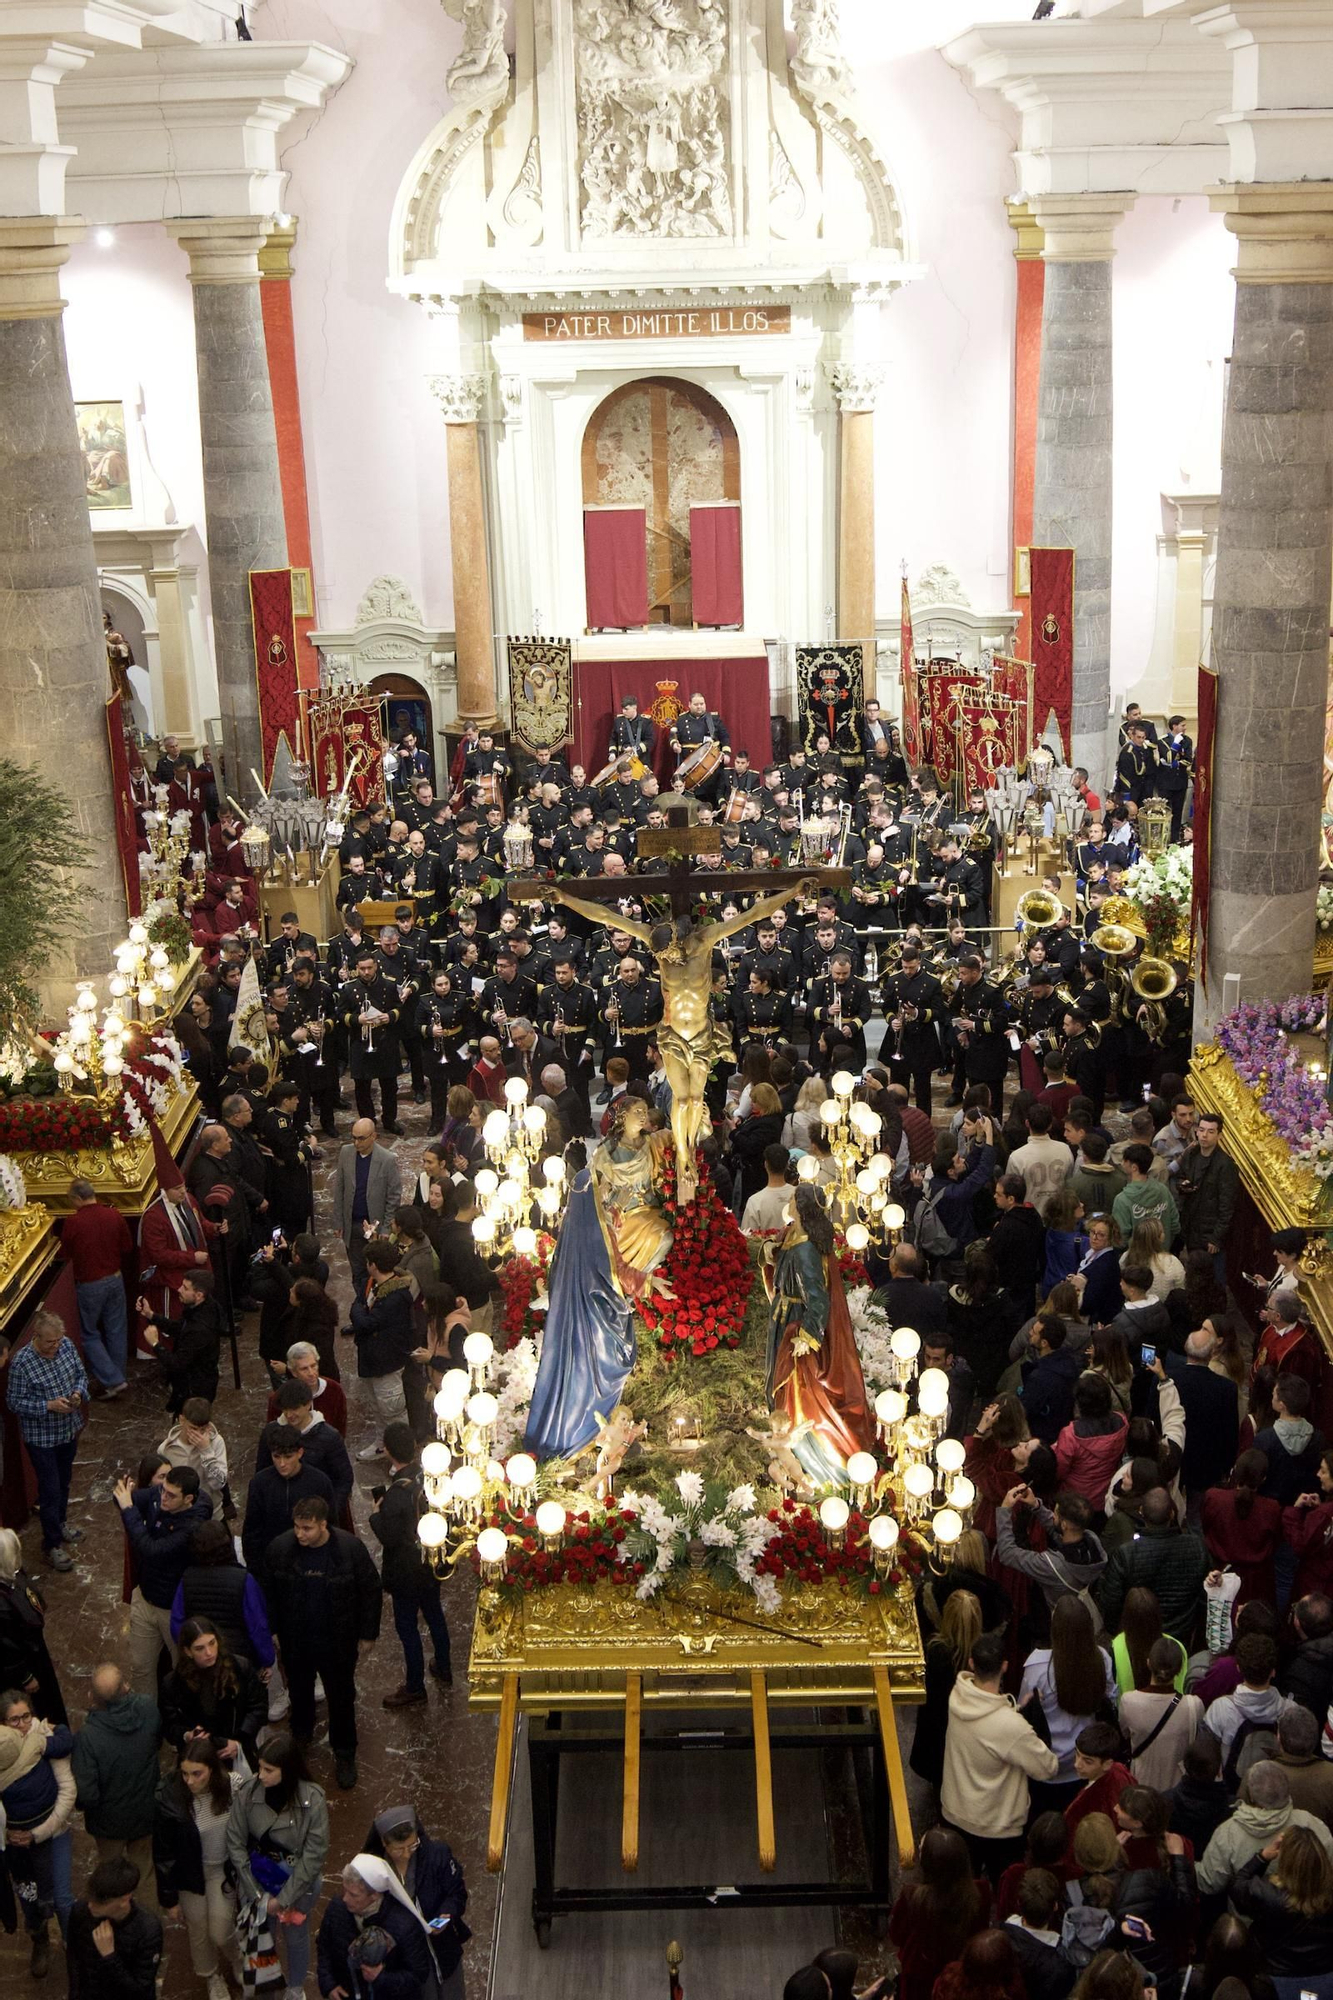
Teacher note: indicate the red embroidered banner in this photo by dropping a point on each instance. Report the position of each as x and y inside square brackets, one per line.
[340, 726]
[1203, 814]
[988, 734]
[1052, 603]
[941, 685]
[127, 833]
[276, 681]
[1013, 679]
[912, 750]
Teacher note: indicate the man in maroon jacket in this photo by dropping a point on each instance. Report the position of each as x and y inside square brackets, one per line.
[96, 1241]
[174, 1235]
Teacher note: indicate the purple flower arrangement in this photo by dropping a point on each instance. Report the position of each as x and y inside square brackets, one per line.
[1291, 1096]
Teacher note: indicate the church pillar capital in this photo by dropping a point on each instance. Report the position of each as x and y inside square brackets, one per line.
[1029, 238]
[222, 249]
[1283, 231]
[856, 385]
[275, 259]
[33, 251]
[462, 398]
[1079, 228]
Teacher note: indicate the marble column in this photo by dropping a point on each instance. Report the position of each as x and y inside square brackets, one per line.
[462, 400]
[242, 482]
[1072, 487]
[1271, 601]
[856, 389]
[53, 673]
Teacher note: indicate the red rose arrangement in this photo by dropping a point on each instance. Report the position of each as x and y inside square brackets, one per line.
[709, 1273]
[75, 1124]
[588, 1552]
[802, 1553]
[520, 1281]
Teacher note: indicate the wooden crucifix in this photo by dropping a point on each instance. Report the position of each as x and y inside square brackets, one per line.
[690, 1040]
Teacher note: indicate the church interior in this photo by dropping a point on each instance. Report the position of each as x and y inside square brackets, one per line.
[631, 632]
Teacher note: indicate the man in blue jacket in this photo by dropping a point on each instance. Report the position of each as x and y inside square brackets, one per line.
[158, 1521]
[274, 1493]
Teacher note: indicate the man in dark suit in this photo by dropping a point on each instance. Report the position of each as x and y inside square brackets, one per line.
[571, 1109]
[632, 734]
[530, 1053]
[1212, 1415]
[905, 1299]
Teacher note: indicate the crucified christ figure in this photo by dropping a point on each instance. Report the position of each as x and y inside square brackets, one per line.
[689, 1038]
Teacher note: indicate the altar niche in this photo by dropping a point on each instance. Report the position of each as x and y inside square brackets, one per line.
[665, 445]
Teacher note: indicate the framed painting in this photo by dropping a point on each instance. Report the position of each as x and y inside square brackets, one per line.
[1022, 572]
[106, 459]
[303, 594]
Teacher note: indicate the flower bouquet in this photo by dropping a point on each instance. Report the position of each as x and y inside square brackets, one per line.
[1163, 888]
[1256, 1040]
[706, 1277]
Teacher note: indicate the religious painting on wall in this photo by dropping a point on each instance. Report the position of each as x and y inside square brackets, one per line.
[540, 705]
[830, 683]
[106, 457]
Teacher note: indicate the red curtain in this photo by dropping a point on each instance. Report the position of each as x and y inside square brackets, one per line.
[615, 557]
[1052, 603]
[715, 565]
[737, 690]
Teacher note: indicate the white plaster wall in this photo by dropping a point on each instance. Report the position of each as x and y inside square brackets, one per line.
[1173, 308]
[374, 440]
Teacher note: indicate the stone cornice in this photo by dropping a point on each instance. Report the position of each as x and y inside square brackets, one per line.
[187, 131]
[1284, 234]
[1106, 106]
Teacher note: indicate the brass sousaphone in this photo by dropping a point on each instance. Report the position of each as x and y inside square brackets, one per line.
[1154, 980]
[1038, 909]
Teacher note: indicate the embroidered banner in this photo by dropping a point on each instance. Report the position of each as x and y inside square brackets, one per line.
[1052, 605]
[1200, 901]
[274, 619]
[941, 685]
[830, 682]
[541, 705]
[340, 726]
[912, 744]
[988, 731]
[1013, 680]
[127, 833]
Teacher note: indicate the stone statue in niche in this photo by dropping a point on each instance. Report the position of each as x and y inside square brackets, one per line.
[653, 117]
[481, 66]
[817, 62]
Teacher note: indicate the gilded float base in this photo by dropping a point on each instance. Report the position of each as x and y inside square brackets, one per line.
[693, 1646]
[28, 1244]
[123, 1174]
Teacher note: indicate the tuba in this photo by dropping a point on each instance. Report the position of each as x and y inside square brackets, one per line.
[1038, 908]
[1154, 981]
[1114, 941]
[1119, 910]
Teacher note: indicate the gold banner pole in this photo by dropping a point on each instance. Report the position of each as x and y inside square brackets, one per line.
[629, 1817]
[893, 1767]
[504, 1761]
[763, 1774]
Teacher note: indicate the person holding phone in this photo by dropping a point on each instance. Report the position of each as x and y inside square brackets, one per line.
[432, 1880]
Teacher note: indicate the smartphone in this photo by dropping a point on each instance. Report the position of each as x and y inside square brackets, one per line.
[277, 1238]
[1147, 1092]
[439, 1924]
[1147, 1355]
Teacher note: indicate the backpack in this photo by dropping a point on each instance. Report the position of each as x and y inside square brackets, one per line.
[929, 1233]
[1252, 1743]
[1083, 1594]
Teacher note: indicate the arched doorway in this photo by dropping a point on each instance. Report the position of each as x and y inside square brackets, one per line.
[669, 447]
[127, 619]
[404, 704]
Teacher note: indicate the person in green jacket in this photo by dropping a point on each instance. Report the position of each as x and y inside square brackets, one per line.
[114, 1763]
[1143, 1196]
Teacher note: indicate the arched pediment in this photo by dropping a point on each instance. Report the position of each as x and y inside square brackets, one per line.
[665, 142]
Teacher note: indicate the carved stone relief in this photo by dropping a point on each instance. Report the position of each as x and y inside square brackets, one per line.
[817, 60]
[461, 398]
[856, 389]
[653, 117]
[388, 597]
[481, 66]
[938, 584]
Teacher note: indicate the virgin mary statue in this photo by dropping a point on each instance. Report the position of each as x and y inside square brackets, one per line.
[814, 1370]
[614, 1238]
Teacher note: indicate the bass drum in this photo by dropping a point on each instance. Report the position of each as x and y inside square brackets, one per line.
[698, 765]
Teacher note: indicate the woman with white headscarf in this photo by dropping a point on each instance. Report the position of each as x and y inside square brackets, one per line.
[374, 1921]
[433, 1880]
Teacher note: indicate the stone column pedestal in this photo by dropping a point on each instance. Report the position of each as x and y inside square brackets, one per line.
[54, 681]
[856, 389]
[1072, 485]
[1271, 603]
[242, 481]
[462, 399]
